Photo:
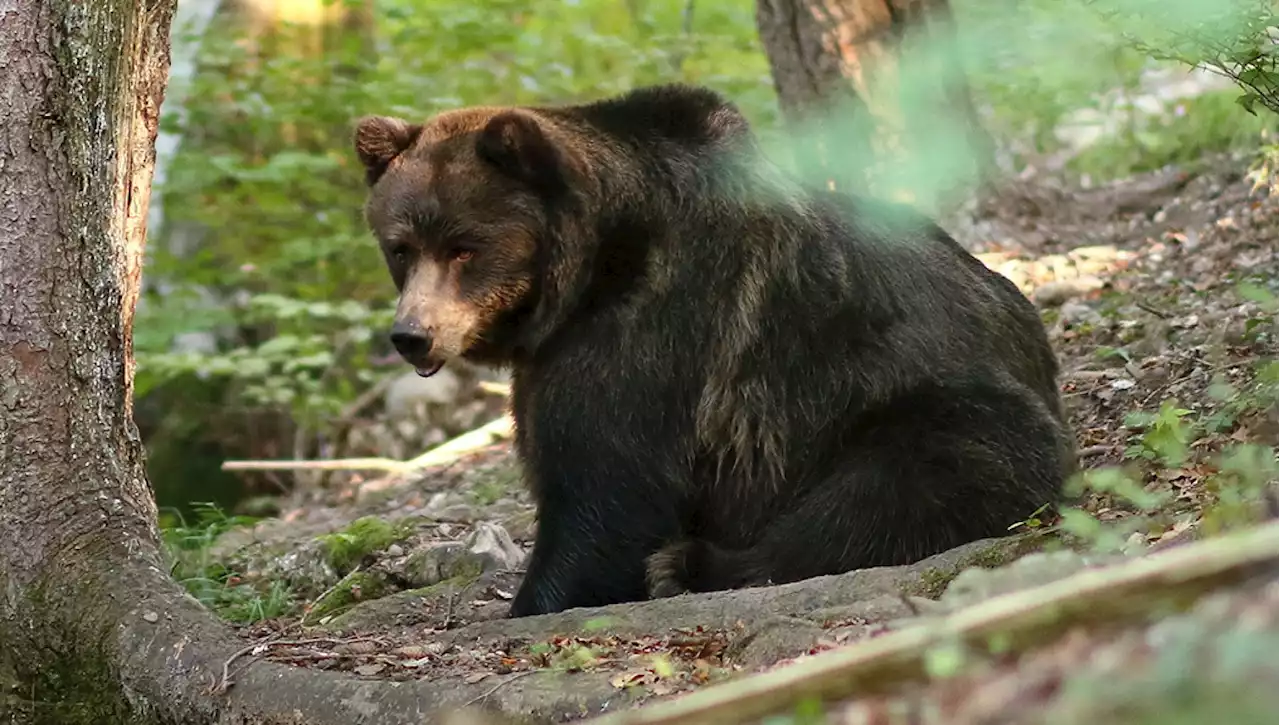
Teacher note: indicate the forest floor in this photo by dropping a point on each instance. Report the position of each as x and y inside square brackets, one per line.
[1159, 296]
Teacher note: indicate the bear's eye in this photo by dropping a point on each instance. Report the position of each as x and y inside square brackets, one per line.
[461, 255]
[400, 253]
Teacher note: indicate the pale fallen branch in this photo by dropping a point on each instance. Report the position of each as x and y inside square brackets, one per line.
[1024, 619]
[499, 389]
[486, 435]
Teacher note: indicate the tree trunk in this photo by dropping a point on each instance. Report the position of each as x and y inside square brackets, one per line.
[92, 629]
[875, 95]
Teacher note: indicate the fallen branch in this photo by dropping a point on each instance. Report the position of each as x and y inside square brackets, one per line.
[499, 389]
[1025, 618]
[486, 435]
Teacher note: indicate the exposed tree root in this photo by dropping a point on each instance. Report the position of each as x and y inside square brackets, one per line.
[1026, 618]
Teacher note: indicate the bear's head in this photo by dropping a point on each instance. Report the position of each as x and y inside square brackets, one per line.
[491, 219]
[460, 208]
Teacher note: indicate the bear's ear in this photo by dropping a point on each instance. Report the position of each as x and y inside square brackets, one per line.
[379, 139]
[515, 142]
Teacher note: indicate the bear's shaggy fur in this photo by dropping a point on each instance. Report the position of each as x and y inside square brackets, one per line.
[721, 378]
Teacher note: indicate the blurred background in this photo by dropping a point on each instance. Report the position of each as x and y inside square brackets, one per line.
[261, 332]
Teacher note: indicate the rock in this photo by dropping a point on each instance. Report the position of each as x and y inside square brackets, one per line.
[976, 585]
[459, 512]
[772, 639]
[410, 390]
[306, 570]
[522, 525]
[1057, 292]
[487, 548]
[504, 507]
[1075, 313]
[492, 543]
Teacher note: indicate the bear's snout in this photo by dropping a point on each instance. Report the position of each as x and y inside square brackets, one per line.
[414, 343]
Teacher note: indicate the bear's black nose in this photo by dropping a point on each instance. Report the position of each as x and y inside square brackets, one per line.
[411, 340]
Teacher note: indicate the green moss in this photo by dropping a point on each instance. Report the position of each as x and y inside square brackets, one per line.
[1008, 550]
[62, 679]
[356, 587]
[457, 583]
[442, 563]
[344, 549]
[933, 581]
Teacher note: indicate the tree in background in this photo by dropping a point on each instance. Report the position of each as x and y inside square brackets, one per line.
[875, 93]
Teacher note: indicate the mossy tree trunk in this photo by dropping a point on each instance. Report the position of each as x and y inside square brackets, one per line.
[92, 628]
[875, 94]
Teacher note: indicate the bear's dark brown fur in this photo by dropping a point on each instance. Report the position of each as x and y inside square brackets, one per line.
[720, 378]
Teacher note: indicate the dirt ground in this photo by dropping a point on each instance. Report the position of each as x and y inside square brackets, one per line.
[1149, 289]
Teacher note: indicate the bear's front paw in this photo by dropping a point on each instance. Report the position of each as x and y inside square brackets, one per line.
[667, 570]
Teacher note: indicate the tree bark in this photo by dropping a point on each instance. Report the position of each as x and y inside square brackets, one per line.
[92, 629]
[867, 86]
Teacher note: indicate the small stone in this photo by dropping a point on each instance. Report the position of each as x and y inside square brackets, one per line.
[459, 512]
[487, 548]
[493, 544]
[150, 617]
[1074, 313]
[395, 550]
[504, 507]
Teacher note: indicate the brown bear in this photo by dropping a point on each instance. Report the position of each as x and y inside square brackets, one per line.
[721, 377]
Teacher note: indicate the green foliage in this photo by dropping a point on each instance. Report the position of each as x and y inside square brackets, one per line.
[1198, 666]
[1032, 522]
[1183, 133]
[1237, 38]
[1036, 62]
[212, 583]
[1122, 488]
[1165, 434]
[1235, 482]
[1245, 474]
[294, 369]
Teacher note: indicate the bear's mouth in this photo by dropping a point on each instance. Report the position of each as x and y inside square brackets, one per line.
[426, 371]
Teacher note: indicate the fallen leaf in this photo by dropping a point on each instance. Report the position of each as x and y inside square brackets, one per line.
[370, 670]
[632, 678]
